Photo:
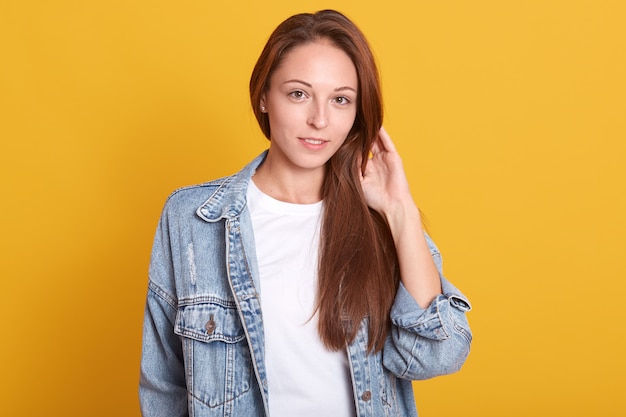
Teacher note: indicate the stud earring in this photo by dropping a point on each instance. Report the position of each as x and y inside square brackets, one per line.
[263, 109]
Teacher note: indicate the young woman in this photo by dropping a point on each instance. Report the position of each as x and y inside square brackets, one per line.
[304, 284]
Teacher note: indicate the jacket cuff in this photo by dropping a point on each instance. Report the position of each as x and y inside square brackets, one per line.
[435, 321]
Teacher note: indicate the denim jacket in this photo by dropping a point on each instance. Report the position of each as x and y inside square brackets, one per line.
[203, 341]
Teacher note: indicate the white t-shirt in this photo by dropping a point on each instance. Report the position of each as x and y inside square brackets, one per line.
[304, 378]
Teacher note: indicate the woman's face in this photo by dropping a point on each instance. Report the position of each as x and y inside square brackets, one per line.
[311, 104]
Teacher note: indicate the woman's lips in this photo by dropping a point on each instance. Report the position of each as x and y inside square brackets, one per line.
[313, 143]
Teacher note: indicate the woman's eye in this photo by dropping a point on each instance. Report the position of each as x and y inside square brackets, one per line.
[342, 100]
[298, 95]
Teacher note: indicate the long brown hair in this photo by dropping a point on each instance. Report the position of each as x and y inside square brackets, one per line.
[358, 271]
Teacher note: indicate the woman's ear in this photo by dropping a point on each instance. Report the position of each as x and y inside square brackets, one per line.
[262, 105]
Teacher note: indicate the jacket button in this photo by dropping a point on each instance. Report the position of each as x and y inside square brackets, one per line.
[210, 326]
[367, 395]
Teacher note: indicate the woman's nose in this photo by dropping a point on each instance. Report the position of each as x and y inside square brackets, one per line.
[318, 117]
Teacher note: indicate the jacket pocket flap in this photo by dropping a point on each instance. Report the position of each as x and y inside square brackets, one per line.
[207, 322]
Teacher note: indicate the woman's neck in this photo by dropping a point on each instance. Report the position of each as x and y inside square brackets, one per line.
[298, 186]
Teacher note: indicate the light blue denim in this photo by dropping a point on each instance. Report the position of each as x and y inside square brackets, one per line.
[203, 341]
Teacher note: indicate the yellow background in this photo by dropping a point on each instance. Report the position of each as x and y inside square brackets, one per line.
[509, 116]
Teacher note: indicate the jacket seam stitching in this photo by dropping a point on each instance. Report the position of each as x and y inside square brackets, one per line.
[162, 294]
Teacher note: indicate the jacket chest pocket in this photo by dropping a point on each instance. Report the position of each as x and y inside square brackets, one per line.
[217, 357]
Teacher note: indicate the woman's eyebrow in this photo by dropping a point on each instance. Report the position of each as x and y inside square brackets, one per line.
[311, 86]
[345, 88]
[298, 81]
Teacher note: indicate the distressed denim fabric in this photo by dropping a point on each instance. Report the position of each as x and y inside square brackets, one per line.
[203, 335]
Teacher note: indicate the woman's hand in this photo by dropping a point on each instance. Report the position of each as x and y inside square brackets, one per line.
[384, 182]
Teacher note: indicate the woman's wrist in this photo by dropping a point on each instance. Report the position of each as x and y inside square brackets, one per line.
[404, 215]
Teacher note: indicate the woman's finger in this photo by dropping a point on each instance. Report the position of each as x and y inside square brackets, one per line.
[385, 140]
[376, 146]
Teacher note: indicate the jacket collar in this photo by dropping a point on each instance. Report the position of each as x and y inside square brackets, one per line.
[229, 200]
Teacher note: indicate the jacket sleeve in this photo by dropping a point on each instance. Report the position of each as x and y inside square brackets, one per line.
[162, 386]
[425, 343]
